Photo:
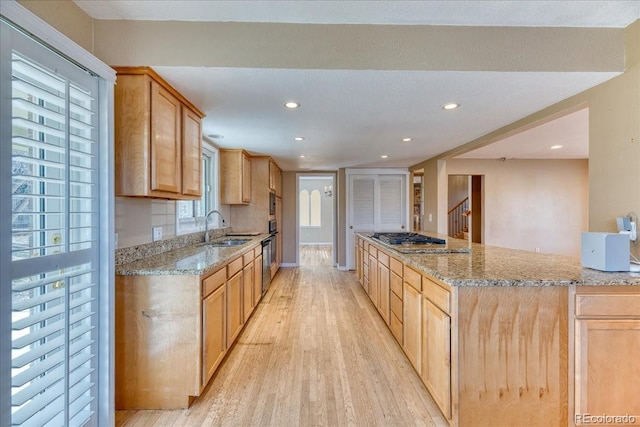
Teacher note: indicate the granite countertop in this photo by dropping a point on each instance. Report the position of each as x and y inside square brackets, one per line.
[494, 266]
[196, 259]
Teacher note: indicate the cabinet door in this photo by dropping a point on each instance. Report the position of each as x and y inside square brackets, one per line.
[166, 164]
[411, 325]
[247, 290]
[214, 329]
[234, 307]
[383, 291]
[257, 280]
[606, 364]
[436, 355]
[246, 178]
[373, 279]
[191, 153]
[359, 263]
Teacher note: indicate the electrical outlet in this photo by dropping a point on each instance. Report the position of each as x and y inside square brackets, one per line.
[157, 233]
[430, 217]
[538, 250]
[115, 240]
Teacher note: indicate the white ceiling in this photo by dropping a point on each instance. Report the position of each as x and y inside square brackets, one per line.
[349, 118]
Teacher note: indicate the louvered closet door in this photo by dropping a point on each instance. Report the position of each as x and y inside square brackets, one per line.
[392, 203]
[54, 236]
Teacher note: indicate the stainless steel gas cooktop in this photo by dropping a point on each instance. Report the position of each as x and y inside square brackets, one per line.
[406, 239]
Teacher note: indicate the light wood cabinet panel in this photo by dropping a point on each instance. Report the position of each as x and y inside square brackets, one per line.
[214, 332]
[395, 324]
[373, 279]
[411, 325]
[607, 371]
[275, 178]
[191, 153]
[234, 307]
[395, 283]
[383, 291]
[157, 138]
[166, 140]
[257, 280]
[436, 355]
[235, 177]
[247, 290]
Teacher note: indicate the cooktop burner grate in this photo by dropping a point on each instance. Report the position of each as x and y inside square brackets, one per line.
[406, 238]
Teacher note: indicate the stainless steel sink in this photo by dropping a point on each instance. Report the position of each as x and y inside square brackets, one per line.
[228, 242]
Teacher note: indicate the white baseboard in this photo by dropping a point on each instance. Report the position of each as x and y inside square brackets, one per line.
[316, 244]
[342, 268]
[288, 264]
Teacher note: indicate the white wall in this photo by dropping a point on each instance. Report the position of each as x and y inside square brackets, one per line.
[531, 204]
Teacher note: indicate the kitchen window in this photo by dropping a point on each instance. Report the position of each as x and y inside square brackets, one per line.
[56, 309]
[190, 214]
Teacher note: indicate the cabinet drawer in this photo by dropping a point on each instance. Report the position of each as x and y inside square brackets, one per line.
[248, 258]
[437, 294]
[213, 282]
[396, 285]
[373, 251]
[395, 325]
[396, 305]
[383, 259]
[413, 278]
[396, 266]
[608, 305]
[233, 267]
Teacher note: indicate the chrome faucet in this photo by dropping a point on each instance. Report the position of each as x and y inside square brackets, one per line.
[206, 224]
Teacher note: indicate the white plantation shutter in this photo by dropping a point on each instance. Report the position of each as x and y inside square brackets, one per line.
[54, 253]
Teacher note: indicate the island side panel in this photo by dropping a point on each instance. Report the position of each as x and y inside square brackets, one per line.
[512, 356]
[157, 341]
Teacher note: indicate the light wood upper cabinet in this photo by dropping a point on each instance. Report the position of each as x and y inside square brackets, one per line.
[166, 140]
[157, 138]
[275, 178]
[235, 177]
[191, 153]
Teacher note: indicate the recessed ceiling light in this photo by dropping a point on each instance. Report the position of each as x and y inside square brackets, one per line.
[450, 106]
[384, 156]
[291, 105]
[299, 138]
[302, 156]
[556, 147]
[407, 139]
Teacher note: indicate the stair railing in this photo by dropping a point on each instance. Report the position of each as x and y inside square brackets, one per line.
[458, 218]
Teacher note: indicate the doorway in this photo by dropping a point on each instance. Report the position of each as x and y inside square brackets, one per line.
[465, 207]
[316, 231]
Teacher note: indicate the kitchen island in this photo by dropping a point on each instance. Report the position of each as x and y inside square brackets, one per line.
[503, 337]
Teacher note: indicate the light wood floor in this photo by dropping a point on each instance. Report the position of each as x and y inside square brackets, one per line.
[317, 255]
[315, 352]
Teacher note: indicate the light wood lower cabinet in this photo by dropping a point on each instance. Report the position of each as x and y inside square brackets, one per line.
[436, 355]
[257, 280]
[412, 317]
[214, 331]
[607, 345]
[247, 290]
[172, 333]
[234, 306]
[384, 279]
[373, 278]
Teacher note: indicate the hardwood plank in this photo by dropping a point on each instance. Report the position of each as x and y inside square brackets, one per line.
[315, 352]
